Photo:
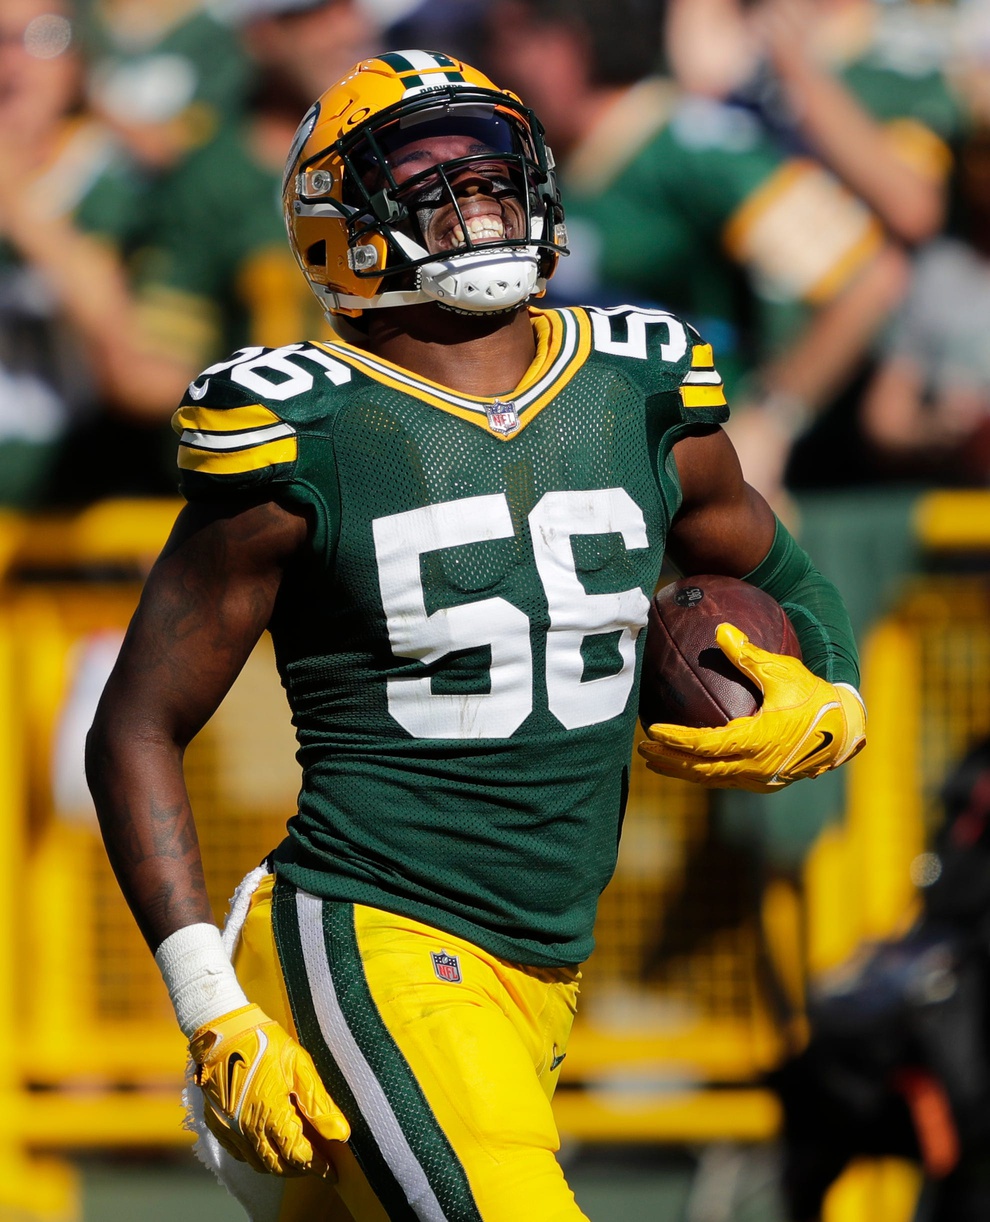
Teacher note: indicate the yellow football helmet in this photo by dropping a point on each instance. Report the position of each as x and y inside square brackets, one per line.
[416, 179]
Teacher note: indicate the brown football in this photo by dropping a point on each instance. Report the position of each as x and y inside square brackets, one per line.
[686, 678]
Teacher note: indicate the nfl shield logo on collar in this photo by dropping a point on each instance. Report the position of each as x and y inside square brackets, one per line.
[502, 417]
[446, 966]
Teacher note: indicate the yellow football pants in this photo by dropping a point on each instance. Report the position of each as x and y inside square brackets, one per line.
[443, 1057]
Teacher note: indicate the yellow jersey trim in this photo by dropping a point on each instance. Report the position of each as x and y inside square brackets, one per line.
[236, 462]
[703, 396]
[230, 441]
[223, 420]
[702, 384]
[563, 342]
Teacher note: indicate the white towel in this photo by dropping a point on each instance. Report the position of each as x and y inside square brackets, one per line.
[258, 1193]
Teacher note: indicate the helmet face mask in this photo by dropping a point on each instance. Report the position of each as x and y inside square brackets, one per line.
[446, 194]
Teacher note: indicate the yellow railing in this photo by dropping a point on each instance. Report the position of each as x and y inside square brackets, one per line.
[670, 1043]
[953, 521]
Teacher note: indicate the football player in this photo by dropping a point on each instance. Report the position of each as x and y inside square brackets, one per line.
[451, 521]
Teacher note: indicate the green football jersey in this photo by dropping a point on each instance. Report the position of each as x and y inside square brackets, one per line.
[460, 646]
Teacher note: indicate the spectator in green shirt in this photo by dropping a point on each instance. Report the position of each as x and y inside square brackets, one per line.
[68, 199]
[219, 275]
[864, 89]
[686, 202]
[210, 270]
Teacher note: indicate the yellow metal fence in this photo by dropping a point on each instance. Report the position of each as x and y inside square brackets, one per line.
[675, 1028]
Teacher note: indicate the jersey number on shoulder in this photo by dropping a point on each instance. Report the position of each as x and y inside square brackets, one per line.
[628, 338]
[250, 367]
[400, 541]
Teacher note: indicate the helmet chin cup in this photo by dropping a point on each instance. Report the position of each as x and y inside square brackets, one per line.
[482, 282]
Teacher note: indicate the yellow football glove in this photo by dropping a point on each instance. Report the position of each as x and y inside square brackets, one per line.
[265, 1102]
[804, 727]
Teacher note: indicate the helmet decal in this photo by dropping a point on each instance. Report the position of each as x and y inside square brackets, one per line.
[437, 69]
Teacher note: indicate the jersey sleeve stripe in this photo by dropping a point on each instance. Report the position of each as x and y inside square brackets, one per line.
[703, 396]
[236, 462]
[223, 420]
[235, 441]
[702, 384]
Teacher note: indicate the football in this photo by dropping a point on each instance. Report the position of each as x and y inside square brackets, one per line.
[687, 679]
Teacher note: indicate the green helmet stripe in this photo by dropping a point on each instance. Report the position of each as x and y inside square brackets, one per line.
[445, 61]
[401, 65]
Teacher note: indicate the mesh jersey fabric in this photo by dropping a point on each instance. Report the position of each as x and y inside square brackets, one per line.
[460, 645]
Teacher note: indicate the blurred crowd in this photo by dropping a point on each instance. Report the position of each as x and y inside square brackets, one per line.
[806, 181]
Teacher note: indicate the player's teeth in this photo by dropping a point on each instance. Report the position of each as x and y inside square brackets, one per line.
[485, 228]
[480, 229]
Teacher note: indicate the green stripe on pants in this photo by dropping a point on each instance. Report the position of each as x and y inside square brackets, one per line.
[395, 1136]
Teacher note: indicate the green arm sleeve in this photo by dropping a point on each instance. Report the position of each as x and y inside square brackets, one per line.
[815, 608]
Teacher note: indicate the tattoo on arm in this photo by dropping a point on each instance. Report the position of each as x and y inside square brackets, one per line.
[206, 602]
[158, 865]
[173, 829]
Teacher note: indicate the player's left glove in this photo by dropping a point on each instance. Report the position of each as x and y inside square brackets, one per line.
[264, 1100]
[804, 727]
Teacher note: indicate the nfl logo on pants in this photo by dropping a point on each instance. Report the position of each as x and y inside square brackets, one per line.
[446, 966]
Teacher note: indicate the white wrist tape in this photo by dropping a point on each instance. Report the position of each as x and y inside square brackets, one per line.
[199, 976]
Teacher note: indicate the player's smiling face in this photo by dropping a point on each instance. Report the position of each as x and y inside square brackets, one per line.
[486, 196]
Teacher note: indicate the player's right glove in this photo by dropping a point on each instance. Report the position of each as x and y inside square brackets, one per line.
[265, 1101]
[805, 726]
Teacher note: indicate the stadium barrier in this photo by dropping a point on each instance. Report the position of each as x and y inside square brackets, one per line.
[677, 1023]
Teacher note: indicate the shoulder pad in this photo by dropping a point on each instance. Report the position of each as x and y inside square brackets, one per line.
[666, 355]
[239, 420]
[271, 375]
